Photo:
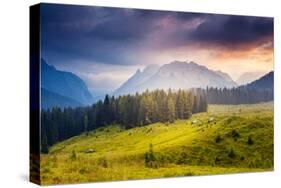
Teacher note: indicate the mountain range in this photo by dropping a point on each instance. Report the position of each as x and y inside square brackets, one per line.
[175, 75]
[264, 82]
[50, 99]
[249, 77]
[62, 88]
[65, 89]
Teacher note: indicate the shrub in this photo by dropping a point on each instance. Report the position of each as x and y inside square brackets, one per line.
[255, 163]
[250, 141]
[73, 155]
[251, 164]
[183, 158]
[231, 153]
[83, 170]
[151, 159]
[149, 156]
[103, 162]
[217, 160]
[46, 170]
[235, 134]
[149, 130]
[231, 119]
[56, 180]
[218, 139]
[189, 173]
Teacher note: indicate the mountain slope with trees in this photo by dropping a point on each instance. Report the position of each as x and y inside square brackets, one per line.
[64, 83]
[266, 82]
[128, 110]
[50, 100]
[257, 91]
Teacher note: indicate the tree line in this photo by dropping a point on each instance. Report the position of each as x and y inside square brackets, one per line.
[239, 95]
[128, 110]
[140, 109]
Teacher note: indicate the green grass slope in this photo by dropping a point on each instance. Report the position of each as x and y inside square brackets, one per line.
[226, 139]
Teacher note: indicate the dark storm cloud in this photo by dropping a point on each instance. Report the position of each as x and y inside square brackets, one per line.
[115, 36]
[133, 26]
[233, 31]
[126, 25]
[94, 33]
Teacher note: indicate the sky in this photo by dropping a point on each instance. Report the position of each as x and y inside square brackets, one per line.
[105, 46]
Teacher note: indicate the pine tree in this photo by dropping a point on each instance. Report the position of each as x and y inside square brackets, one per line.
[73, 155]
[179, 105]
[171, 111]
[86, 124]
[186, 105]
[44, 143]
[106, 111]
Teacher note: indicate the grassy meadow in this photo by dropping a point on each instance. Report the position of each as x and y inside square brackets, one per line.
[226, 139]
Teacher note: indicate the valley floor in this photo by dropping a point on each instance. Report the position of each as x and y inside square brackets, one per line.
[226, 139]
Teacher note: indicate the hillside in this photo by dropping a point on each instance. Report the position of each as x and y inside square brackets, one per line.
[260, 90]
[264, 82]
[64, 84]
[226, 139]
[249, 77]
[50, 99]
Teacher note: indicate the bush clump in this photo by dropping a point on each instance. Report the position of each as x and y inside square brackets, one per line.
[231, 153]
[103, 162]
[218, 139]
[73, 155]
[152, 160]
[235, 134]
[250, 141]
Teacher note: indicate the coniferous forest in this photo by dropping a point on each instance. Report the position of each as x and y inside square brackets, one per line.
[129, 111]
[239, 95]
[140, 109]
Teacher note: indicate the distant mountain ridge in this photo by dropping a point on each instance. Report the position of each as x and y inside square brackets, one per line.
[138, 78]
[175, 75]
[249, 77]
[64, 84]
[264, 82]
[50, 99]
[224, 75]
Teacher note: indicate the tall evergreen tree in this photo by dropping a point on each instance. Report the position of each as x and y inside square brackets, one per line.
[86, 124]
[171, 111]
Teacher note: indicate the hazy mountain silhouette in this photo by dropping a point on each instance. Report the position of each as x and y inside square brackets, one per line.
[175, 75]
[50, 99]
[64, 84]
[264, 82]
[249, 77]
